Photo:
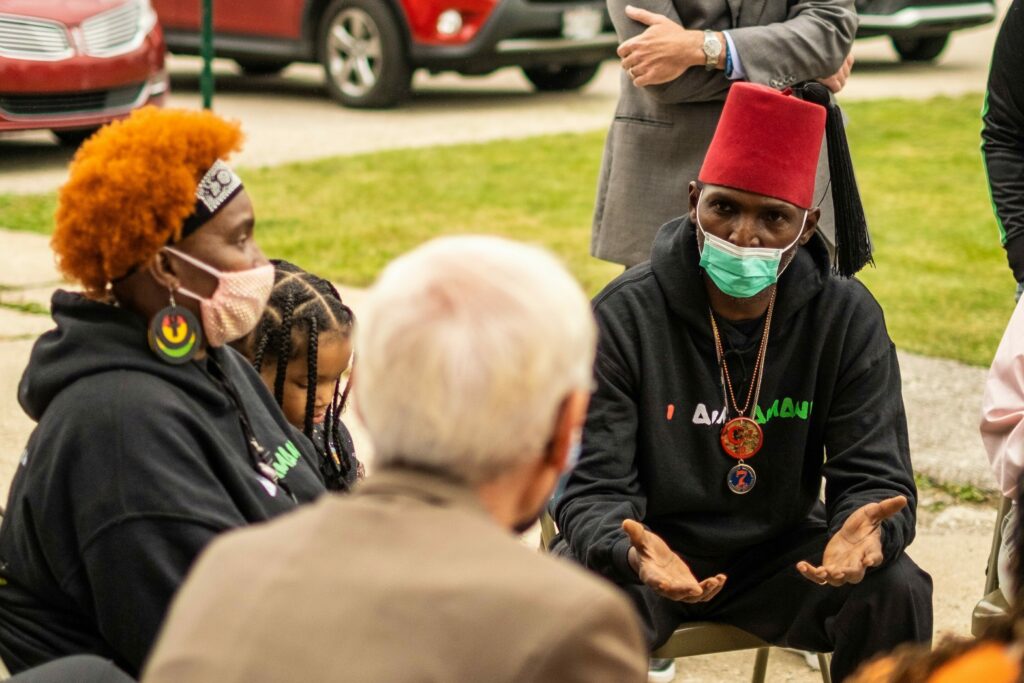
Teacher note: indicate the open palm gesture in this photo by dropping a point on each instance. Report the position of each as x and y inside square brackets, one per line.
[857, 546]
[663, 570]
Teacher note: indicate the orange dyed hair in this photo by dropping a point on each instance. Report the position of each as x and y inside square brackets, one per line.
[130, 188]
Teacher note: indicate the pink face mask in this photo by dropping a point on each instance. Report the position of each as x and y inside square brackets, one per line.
[236, 305]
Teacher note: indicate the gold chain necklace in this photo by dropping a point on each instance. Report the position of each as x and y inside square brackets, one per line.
[742, 437]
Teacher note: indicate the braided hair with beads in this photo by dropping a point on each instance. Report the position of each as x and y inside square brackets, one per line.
[303, 306]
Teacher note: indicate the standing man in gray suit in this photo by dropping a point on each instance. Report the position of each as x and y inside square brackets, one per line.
[679, 59]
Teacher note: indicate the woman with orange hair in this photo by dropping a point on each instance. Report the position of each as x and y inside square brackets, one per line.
[153, 435]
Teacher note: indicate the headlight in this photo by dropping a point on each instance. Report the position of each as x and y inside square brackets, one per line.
[449, 23]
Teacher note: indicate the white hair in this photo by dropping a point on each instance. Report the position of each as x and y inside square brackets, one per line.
[467, 347]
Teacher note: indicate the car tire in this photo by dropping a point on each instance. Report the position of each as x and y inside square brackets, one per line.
[921, 49]
[559, 78]
[362, 50]
[259, 68]
[73, 138]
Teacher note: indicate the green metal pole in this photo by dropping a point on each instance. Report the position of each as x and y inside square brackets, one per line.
[206, 80]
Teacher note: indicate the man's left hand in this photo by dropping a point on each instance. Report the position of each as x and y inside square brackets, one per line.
[857, 546]
[662, 52]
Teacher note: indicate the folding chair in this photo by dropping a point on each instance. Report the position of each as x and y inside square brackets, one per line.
[993, 604]
[701, 637]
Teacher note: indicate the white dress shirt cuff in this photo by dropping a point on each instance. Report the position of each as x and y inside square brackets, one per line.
[737, 72]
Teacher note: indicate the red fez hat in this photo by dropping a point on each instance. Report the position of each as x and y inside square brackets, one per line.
[767, 142]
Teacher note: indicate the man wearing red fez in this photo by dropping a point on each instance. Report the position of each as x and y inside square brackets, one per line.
[735, 371]
[679, 60]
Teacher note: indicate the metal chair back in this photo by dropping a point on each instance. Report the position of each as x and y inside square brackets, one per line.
[993, 603]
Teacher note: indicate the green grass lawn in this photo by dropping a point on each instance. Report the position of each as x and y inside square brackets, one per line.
[941, 275]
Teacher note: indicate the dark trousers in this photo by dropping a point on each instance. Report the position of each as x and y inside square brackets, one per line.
[766, 595]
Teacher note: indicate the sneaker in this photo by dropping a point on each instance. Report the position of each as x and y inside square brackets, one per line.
[810, 658]
[661, 671]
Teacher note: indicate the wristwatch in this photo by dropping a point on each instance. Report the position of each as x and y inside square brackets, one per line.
[712, 50]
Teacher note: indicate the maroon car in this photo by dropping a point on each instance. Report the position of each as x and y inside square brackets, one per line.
[369, 49]
[73, 66]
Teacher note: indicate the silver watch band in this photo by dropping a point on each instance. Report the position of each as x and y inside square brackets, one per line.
[712, 50]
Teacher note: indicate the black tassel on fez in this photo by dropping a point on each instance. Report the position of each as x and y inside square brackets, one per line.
[853, 244]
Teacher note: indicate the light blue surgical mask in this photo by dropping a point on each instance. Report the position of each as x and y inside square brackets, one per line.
[571, 460]
[741, 272]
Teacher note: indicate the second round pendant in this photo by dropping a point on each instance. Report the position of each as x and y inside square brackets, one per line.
[742, 478]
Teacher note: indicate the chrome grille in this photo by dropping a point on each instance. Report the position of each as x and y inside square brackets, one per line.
[114, 31]
[27, 38]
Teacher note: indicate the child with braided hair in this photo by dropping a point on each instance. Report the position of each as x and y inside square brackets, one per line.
[301, 347]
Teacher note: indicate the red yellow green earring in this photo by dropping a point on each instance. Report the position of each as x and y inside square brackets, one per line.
[175, 334]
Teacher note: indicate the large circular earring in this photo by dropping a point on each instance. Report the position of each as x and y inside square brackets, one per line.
[175, 334]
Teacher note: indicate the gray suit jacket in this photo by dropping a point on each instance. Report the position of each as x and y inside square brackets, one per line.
[406, 580]
[660, 133]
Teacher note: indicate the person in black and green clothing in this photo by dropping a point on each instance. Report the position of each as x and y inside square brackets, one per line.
[734, 373]
[1003, 137]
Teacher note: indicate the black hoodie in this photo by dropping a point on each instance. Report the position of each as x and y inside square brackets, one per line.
[830, 406]
[134, 466]
[1002, 135]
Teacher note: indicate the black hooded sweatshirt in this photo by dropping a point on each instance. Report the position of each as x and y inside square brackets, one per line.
[830, 405]
[134, 466]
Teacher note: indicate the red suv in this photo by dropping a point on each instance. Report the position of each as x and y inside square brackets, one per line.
[73, 66]
[369, 49]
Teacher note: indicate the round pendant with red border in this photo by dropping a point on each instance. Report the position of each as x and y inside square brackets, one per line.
[741, 438]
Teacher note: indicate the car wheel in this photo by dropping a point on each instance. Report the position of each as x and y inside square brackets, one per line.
[923, 49]
[362, 51]
[73, 138]
[556, 77]
[258, 68]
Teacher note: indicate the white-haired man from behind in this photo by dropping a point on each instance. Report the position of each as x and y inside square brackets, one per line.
[475, 368]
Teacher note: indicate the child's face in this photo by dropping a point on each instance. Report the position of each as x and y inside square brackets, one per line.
[334, 352]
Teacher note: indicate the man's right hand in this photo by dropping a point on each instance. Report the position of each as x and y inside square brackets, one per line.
[664, 571]
[837, 81]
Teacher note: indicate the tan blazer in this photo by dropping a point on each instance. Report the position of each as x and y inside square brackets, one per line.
[660, 134]
[406, 580]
